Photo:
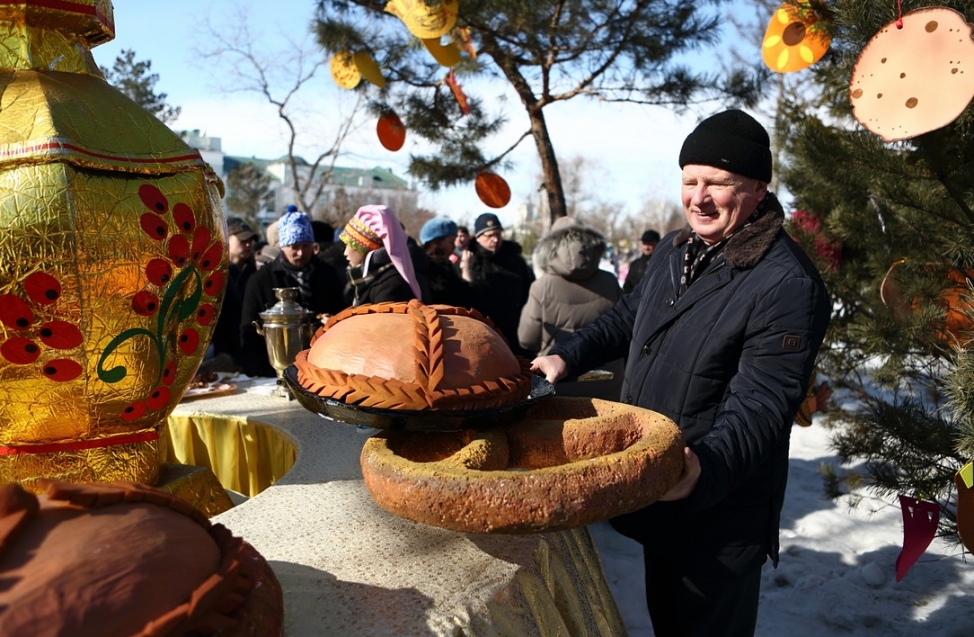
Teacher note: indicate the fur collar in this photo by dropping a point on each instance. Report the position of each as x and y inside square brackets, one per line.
[748, 246]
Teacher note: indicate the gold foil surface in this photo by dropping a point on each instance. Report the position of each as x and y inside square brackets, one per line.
[196, 485]
[112, 259]
[135, 462]
[91, 21]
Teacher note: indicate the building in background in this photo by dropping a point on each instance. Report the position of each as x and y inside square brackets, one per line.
[343, 191]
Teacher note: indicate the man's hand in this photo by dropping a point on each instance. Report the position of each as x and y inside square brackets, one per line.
[553, 367]
[688, 478]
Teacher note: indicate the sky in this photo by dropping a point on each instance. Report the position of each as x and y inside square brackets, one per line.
[837, 572]
[632, 149]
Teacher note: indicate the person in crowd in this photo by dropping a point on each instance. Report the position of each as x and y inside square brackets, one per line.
[571, 292]
[463, 240]
[332, 251]
[447, 287]
[295, 266]
[721, 336]
[226, 335]
[271, 247]
[499, 276]
[379, 259]
[637, 268]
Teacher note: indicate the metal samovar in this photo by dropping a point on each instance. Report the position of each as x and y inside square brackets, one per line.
[287, 330]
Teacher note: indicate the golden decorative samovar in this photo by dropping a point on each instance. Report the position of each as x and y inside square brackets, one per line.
[112, 256]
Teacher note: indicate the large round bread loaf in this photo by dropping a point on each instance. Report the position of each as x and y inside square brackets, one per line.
[410, 356]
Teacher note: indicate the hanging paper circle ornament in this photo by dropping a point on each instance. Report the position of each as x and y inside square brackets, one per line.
[391, 131]
[915, 79]
[794, 40]
[492, 190]
[344, 70]
[368, 68]
[423, 20]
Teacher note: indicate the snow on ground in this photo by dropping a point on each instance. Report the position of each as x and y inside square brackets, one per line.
[837, 574]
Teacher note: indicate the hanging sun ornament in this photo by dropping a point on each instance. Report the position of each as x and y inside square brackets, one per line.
[795, 38]
[422, 20]
[912, 77]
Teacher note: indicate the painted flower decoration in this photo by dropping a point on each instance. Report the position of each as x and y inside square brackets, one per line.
[30, 335]
[795, 38]
[179, 293]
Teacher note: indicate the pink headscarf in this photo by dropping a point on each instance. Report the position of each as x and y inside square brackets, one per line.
[382, 223]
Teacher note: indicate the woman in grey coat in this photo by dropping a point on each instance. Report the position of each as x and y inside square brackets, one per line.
[569, 293]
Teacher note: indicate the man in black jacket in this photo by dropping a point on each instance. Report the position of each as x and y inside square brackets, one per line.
[721, 336]
[294, 267]
[499, 276]
[637, 269]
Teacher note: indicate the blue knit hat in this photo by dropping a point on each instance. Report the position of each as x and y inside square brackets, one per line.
[294, 227]
[437, 228]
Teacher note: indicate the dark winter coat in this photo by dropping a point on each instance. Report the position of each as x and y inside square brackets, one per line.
[637, 270]
[729, 360]
[383, 283]
[226, 335]
[326, 298]
[447, 287]
[501, 281]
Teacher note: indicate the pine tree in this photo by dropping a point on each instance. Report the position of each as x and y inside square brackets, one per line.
[903, 213]
[549, 51]
[138, 82]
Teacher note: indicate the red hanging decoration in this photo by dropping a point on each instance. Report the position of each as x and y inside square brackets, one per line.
[458, 94]
[920, 520]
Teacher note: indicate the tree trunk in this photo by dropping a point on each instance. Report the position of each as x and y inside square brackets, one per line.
[550, 174]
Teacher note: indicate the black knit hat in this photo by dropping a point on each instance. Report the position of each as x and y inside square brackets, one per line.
[733, 141]
[485, 222]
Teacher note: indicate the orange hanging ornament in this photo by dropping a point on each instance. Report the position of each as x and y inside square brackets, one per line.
[391, 131]
[795, 39]
[492, 190]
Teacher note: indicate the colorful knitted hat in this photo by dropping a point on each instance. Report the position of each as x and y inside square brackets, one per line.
[358, 235]
[294, 227]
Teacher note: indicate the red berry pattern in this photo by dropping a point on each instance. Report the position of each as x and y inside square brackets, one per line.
[28, 336]
[173, 295]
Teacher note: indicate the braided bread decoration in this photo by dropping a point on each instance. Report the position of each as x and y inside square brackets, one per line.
[410, 356]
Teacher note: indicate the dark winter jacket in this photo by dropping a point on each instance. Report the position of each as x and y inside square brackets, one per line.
[326, 298]
[226, 336]
[637, 270]
[447, 287]
[501, 281]
[729, 360]
[383, 283]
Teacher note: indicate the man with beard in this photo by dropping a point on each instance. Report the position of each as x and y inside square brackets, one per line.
[438, 238]
[294, 267]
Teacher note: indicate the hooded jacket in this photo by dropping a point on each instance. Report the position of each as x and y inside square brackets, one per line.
[570, 293]
[729, 361]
